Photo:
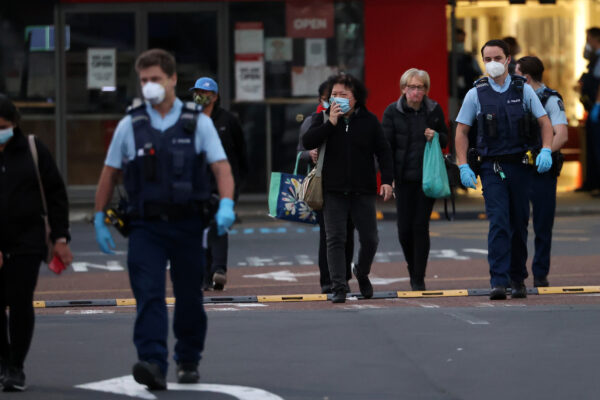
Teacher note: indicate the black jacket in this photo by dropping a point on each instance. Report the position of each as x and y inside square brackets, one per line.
[396, 123]
[232, 138]
[21, 225]
[349, 164]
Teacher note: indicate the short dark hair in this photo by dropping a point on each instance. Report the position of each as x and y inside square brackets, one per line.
[356, 87]
[323, 88]
[159, 57]
[459, 31]
[594, 32]
[8, 110]
[496, 43]
[533, 66]
[512, 44]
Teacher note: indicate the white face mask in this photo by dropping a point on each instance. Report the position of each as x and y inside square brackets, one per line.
[5, 135]
[494, 68]
[153, 92]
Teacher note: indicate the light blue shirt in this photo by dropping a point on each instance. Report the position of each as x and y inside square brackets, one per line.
[122, 146]
[471, 107]
[555, 110]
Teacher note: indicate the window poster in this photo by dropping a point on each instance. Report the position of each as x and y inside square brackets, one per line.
[101, 68]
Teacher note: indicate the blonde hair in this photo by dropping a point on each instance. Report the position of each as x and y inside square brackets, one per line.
[415, 73]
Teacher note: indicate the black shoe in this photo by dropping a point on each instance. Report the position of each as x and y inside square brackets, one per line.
[3, 371]
[417, 286]
[540, 281]
[14, 380]
[364, 284]
[338, 296]
[518, 290]
[188, 373]
[220, 279]
[150, 375]
[498, 293]
[326, 289]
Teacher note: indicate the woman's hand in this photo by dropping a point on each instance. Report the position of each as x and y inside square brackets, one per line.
[62, 251]
[334, 112]
[314, 155]
[429, 134]
[386, 192]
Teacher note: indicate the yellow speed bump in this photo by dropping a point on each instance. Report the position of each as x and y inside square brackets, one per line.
[568, 289]
[125, 302]
[39, 304]
[292, 297]
[435, 293]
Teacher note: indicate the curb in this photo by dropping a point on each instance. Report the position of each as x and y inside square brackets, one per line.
[316, 297]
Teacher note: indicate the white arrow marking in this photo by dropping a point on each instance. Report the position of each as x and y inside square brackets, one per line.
[282, 276]
[387, 281]
[110, 266]
[447, 253]
[477, 251]
[127, 386]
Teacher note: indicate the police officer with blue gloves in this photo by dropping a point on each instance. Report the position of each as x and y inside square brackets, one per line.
[165, 149]
[503, 107]
[542, 191]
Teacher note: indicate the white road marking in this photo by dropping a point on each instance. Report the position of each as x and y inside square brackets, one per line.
[110, 266]
[282, 276]
[386, 281]
[127, 386]
[467, 318]
[87, 312]
[476, 251]
[361, 307]
[447, 253]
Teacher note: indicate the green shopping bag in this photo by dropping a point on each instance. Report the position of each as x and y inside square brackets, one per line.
[435, 177]
[284, 201]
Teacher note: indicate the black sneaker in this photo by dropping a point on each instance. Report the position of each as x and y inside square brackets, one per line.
[220, 279]
[338, 296]
[417, 286]
[326, 289]
[364, 284]
[150, 375]
[541, 281]
[14, 380]
[498, 293]
[518, 290]
[188, 373]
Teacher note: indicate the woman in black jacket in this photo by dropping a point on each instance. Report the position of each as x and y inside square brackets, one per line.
[408, 124]
[354, 140]
[22, 238]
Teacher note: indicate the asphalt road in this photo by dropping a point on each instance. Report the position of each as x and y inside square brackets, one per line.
[424, 348]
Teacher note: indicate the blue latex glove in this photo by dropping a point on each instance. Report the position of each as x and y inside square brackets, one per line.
[467, 176]
[103, 236]
[225, 216]
[595, 113]
[544, 160]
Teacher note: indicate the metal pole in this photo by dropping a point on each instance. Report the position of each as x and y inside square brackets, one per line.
[269, 135]
[60, 92]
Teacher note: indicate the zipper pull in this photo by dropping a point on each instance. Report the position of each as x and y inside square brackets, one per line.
[347, 128]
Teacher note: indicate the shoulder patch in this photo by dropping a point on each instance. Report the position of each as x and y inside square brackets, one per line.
[561, 105]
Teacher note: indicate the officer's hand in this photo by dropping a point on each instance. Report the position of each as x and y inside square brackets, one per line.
[467, 176]
[103, 236]
[544, 160]
[595, 113]
[225, 216]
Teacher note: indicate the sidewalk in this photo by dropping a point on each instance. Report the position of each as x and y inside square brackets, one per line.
[253, 207]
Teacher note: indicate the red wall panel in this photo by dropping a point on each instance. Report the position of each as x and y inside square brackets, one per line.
[401, 34]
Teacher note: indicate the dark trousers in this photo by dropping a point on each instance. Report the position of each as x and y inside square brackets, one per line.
[507, 208]
[18, 278]
[323, 265]
[413, 214]
[216, 252]
[592, 143]
[337, 208]
[542, 194]
[151, 245]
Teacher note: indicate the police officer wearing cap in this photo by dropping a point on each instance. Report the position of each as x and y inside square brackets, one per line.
[502, 105]
[165, 149]
[206, 94]
[542, 191]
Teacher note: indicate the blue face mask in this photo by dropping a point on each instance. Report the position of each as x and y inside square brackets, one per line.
[5, 135]
[343, 103]
[325, 104]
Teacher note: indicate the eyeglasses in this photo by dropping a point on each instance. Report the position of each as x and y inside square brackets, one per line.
[413, 87]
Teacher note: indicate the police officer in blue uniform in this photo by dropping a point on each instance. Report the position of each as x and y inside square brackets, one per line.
[165, 149]
[502, 107]
[542, 191]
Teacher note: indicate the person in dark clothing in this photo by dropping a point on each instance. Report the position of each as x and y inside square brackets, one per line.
[513, 50]
[310, 158]
[354, 140]
[467, 68]
[206, 93]
[408, 124]
[22, 238]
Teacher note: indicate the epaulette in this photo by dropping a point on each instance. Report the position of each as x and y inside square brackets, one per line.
[481, 82]
[136, 104]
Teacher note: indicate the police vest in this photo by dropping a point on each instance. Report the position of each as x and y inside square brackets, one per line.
[502, 123]
[166, 172]
[589, 85]
[544, 95]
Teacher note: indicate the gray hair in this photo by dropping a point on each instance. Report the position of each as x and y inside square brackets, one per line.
[415, 73]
